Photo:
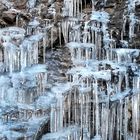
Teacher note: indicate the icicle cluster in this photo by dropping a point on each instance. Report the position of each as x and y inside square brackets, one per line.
[22, 79]
[72, 8]
[131, 18]
[104, 86]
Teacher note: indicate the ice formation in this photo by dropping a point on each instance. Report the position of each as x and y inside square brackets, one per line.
[102, 81]
[102, 87]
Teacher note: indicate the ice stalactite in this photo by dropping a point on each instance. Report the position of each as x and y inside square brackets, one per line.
[126, 119]
[29, 50]
[58, 110]
[135, 109]
[132, 25]
[60, 34]
[52, 39]
[72, 8]
[17, 19]
[32, 27]
[124, 27]
[45, 39]
[93, 5]
[75, 34]
[97, 108]
[69, 5]
[52, 119]
[82, 52]
[133, 20]
[99, 28]
[65, 30]
[66, 26]
[86, 34]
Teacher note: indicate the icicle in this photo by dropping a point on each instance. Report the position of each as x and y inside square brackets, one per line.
[60, 31]
[126, 119]
[78, 7]
[93, 7]
[118, 122]
[69, 109]
[97, 107]
[86, 36]
[121, 120]
[17, 19]
[135, 110]
[132, 25]
[65, 30]
[81, 114]
[124, 26]
[61, 111]
[75, 109]
[72, 7]
[69, 7]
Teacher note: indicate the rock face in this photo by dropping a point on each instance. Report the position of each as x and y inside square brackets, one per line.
[20, 4]
[3, 8]
[9, 16]
[2, 23]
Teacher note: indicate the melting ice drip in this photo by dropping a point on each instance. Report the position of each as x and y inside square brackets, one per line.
[22, 82]
[103, 86]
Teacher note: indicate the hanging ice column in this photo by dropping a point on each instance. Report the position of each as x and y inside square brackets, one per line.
[30, 50]
[70, 11]
[75, 33]
[133, 20]
[104, 77]
[125, 55]
[11, 38]
[86, 33]
[135, 108]
[33, 27]
[81, 79]
[11, 57]
[66, 25]
[57, 109]
[14, 35]
[82, 53]
[99, 22]
[72, 8]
